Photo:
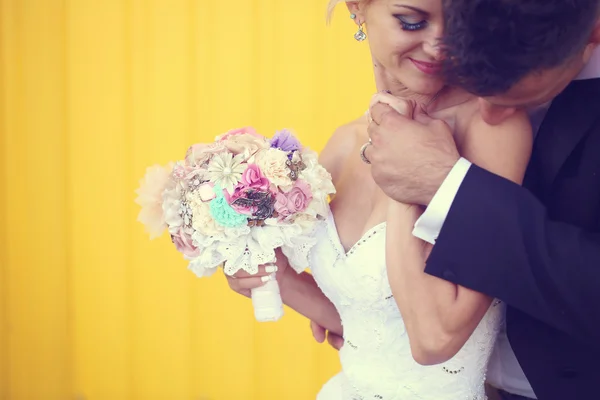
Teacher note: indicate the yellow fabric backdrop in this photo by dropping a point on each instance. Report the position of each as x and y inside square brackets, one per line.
[93, 92]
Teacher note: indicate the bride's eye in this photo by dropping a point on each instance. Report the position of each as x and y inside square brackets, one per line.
[411, 23]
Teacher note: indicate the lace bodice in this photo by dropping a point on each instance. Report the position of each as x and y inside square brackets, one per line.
[376, 358]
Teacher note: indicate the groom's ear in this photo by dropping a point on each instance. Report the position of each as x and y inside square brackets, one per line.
[358, 9]
[593, 43]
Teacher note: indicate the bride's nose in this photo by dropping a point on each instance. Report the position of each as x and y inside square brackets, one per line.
[432, 48]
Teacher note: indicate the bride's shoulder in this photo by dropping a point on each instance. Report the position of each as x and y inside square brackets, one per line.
[341, 144]
[470, 123]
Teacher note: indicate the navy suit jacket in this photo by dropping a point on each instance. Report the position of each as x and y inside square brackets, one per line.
[537, 248]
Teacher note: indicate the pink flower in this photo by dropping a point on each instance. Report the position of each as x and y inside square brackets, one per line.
[241, 131]
[184, 244]
[294, 201]
[253, 177]
[199, 154]
[179, 171]
[241, 193]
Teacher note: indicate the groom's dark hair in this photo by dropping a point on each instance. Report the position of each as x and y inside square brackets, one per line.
[489, 45]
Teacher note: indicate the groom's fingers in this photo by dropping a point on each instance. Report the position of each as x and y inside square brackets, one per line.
[420, 115]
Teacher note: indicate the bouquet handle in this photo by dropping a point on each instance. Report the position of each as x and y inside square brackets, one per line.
[267, 303]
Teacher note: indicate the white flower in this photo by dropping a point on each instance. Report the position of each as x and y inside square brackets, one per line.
[203, 221]
[156, 181]
[245, 144]
[305, 221]
[315, 174]
[171, 205]
[226, 170]
[272, 164]
[321, 186]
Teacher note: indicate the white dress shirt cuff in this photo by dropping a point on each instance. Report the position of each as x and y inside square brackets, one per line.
[429, 225]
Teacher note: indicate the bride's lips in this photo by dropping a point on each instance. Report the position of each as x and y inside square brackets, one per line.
[427, 68]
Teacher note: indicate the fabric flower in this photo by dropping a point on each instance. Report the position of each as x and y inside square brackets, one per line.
[245, 144]
[272, 163]
[226, 170]
[284, 140]
[204, 222]
[171, 205]
[253, 177]
[199, 154]
[222, 212]
[294, 201]
[240, 131]
[319, 180]
[306, 222]
[206, 192]
[179, 170]
[184, 244]
[252, 201]
[152, 186]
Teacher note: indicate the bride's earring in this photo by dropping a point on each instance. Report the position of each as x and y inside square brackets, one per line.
[360, 35]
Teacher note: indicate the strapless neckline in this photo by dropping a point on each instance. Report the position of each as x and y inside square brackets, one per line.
[362, 240]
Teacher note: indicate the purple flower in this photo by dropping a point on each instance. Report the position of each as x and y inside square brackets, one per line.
[285, 141]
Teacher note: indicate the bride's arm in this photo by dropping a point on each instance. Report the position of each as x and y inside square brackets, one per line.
[301, 293]
[298, 291]
[440, 316]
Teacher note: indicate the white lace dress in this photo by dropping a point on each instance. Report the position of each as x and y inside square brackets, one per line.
[376, 358]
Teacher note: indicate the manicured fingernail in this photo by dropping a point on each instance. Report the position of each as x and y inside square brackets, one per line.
[270, 269]
[265, 279]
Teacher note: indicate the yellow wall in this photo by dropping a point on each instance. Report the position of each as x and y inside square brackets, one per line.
[92, 92]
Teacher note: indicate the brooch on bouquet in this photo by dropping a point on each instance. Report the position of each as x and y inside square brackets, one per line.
[233, 202]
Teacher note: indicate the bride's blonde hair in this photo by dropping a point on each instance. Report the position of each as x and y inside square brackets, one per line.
[331, 7]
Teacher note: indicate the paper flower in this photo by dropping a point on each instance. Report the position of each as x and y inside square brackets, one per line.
[226, 170]
[184, 244]
[150, 199]
[253, 177]
[273, 165]
[245, 144]
[223, 213]
[294, 201]
[284, 140]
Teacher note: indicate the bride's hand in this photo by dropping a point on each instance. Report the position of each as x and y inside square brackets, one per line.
[320, 333]
[402, 106]
[242, 282]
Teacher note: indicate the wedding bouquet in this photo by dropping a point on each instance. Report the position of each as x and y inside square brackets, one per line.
[233, 202]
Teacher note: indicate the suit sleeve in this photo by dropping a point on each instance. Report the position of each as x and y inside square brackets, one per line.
[497, 239]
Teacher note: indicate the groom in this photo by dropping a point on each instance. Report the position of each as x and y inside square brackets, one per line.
[535, 247]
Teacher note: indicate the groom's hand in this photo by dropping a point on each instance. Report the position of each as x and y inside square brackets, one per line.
[410, 158]
[320, 333]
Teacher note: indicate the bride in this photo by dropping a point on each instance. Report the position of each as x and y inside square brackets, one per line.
[407, 335]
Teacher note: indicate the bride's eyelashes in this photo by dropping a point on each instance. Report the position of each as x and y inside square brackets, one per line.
[411, 23]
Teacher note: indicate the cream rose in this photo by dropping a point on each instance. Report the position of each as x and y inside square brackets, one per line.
[272, 164]
[203, 221]
[245, 144]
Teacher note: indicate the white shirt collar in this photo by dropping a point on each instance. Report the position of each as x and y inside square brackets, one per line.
[592, 68]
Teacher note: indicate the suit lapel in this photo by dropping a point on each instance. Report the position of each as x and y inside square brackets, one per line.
[568, 120]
